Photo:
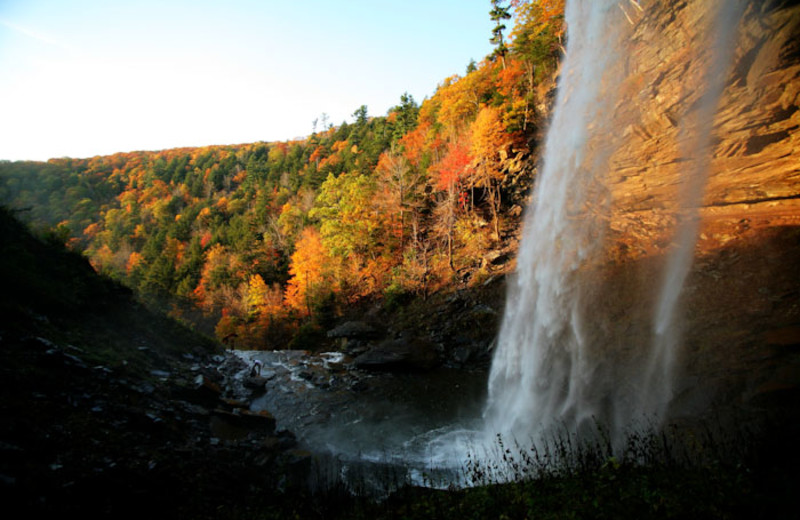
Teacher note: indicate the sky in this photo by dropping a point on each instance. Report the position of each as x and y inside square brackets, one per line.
[80, 78]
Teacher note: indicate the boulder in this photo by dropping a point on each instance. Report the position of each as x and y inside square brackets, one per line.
[255, 383]
[398, 355]
[354, 330]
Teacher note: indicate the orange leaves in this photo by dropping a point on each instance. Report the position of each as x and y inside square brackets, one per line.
[139, 231]
[510, 77]
[534, 17]
[309, 271]
[317, 155]
[92, 230]
[134, 260]
[331, 161]
[338, 146]
[389, 162]
[206, 238]
[240, 177]
[413, 143]
[545, 11]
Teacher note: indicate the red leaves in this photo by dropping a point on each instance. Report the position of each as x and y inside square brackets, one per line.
[454, 166]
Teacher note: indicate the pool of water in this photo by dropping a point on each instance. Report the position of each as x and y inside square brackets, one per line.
[374, 428]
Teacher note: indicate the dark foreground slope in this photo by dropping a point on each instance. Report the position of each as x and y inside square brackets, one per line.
[108, 409]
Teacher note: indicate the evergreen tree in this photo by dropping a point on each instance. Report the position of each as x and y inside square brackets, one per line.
[498, 14]
[406, 116]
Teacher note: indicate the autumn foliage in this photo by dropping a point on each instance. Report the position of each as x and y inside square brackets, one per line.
[258, 239]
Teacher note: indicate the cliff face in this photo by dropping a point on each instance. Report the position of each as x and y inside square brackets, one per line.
[742, 319]
[754, 170]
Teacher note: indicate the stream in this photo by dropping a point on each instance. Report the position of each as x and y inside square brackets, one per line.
[375, 429]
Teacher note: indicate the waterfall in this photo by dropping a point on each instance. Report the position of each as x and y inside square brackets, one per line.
[556, 364]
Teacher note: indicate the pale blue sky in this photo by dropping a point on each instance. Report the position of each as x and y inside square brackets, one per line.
[80, 78]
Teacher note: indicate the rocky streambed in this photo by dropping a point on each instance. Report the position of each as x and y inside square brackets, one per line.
[363, 420]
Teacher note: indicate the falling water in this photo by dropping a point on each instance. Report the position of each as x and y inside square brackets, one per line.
[553, 366]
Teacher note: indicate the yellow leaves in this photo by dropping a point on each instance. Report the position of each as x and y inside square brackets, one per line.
[277, 153]
[256, 292]
[220, 276]
[216, 257]
[345, 209]
[127, 200]
[489, 138]
[160, 209]
[261, 300]
[488, 135]
[459, 99]
[225, 327]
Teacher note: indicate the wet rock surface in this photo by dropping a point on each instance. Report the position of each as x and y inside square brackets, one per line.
[337, 407]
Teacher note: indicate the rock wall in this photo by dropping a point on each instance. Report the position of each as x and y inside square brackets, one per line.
[755, 165]
[741, 303]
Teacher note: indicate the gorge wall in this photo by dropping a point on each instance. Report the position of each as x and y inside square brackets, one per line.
[755, 168]
[740, 306]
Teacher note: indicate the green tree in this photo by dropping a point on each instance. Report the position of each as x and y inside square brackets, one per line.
[499, 14]
[348, 220]
[405, 116]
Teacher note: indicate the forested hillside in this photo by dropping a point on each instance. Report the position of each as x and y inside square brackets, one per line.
[267, 239]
